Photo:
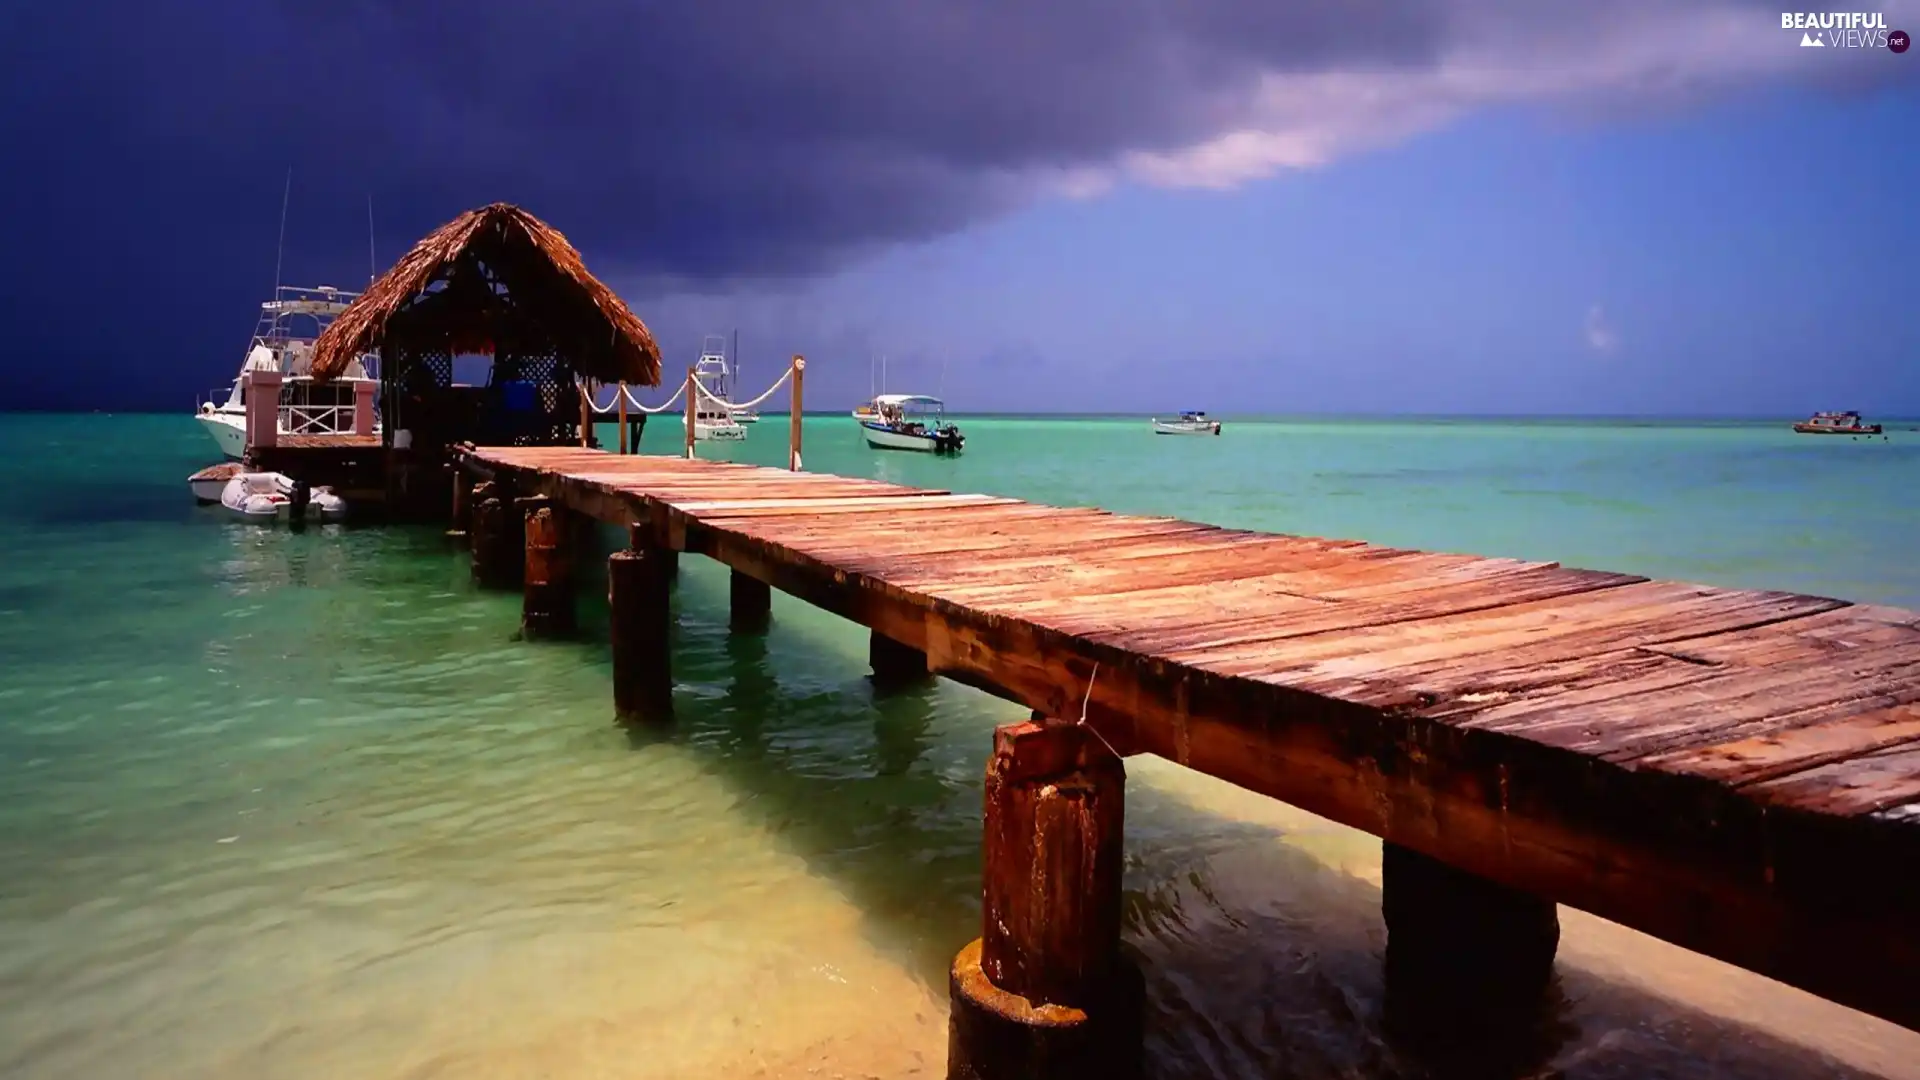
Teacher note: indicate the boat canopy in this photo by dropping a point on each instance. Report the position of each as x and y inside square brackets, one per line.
[908, 399]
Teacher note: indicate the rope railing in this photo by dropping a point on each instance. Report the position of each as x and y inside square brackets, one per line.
[623, 397]
[633, 401]
[744, 405]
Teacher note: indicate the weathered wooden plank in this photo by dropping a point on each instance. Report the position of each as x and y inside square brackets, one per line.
[863, 504]
[1868, 784]
[1663, 713]
[1584, 624]
[1750, 757]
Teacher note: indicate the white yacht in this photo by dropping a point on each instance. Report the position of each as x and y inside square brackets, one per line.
[283, 342]
[711, 422]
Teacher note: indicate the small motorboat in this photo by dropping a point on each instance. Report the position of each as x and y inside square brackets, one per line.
[210, 482]
[1836, 423]
[1191, 422]
[269, 497]
[911, 422]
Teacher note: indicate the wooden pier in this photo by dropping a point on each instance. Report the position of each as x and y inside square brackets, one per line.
[1736, 772]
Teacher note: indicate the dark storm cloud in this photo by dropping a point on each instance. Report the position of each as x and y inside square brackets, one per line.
[703, 138]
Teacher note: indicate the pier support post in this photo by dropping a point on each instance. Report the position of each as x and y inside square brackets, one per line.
[1468, 961]
[497, 535]
[1045, 991]
[751, 602]
[546, 598]
[641, 624]
[894, 664]
[457, 525]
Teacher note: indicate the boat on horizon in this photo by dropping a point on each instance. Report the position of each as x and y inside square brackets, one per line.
[283, 342]
[1191, 422]
[911, 422]
[1836, 423]
[712, 422]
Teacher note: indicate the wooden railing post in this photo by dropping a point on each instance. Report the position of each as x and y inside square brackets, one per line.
[586, 415]
[623, 416]
[793, 422]
[693, 392]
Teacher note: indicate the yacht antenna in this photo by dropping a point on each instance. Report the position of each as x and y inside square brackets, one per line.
[279, 254]
[373, 265]
[734, 354]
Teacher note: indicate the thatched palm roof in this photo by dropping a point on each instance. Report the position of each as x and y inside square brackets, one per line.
[493, 277]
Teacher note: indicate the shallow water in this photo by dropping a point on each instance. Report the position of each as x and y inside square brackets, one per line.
[278, 805]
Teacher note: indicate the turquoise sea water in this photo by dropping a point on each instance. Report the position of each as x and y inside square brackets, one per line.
[299, 805]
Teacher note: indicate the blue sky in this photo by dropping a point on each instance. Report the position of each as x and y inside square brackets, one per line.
[1403, 206]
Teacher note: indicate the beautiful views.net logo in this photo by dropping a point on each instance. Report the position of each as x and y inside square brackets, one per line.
[1845, 30]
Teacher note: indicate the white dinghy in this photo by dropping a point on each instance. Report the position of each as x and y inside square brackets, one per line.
[269, 497]
[211, 482]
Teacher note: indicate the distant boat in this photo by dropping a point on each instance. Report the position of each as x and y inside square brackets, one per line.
[1836, 423]
[711, 422]
[1191, 422]
[282, 343]
[911, 422]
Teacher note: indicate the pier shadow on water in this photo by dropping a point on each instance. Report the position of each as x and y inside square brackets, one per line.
[1261, 959]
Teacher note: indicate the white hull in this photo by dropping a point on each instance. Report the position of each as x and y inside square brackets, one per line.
[266, 498]
[228, 430]
[715, 430]
[1161, 427]
[746, 416]
[894, 440]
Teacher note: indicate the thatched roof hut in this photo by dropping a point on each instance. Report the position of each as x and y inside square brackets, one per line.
[494, 281]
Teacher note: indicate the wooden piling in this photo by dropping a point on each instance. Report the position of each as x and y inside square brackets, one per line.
[894, 664]
[1045, 991]
[457, 523]
[1469, 962]
[586, 416]
[498, 541]
[751, 603]
[641, 625]
[546, 604]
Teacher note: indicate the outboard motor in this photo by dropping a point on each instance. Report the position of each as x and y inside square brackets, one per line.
[297, 499]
